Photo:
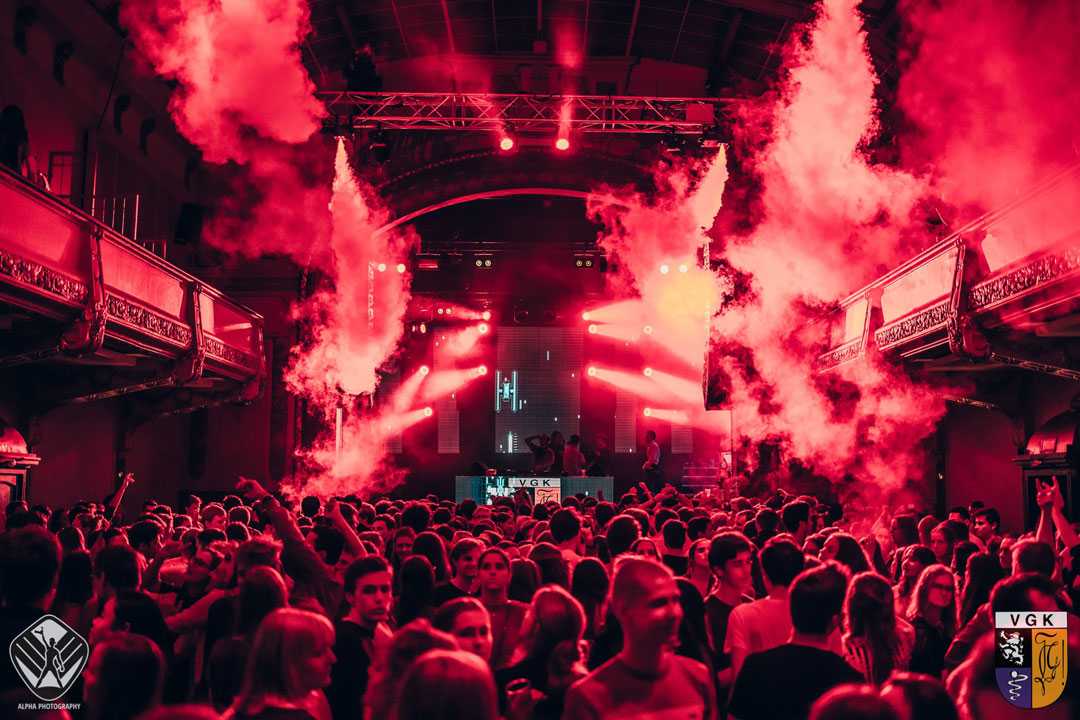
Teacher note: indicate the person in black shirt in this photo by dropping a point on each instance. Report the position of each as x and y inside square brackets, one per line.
[368, 588]
[465, 561]
[782, 683]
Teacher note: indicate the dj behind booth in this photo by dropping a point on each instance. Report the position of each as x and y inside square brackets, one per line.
[484, 488]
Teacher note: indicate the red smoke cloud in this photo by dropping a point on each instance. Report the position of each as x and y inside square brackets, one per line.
[244, 97]
[991, 94]
[360, 319]
[828, 221]
[991, 89]
[237, 62]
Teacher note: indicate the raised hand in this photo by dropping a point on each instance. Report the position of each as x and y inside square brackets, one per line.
[250, 489]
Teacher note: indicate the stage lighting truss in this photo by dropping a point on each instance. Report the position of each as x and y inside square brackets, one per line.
[527, 114]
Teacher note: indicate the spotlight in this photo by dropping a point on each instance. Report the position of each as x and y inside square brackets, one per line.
[664, 269]
[647, 412]
[486, 315]
[440, 311]
[487, 263]
[506, 143]
[423, 327]
[449, 311]
[648, 372]
[579, 262]
[479, 262]
[585, 316]
[592, 372]
[382, 267]
[592, 329]
[401, 268]
[683, 268]
[647, 329]
[428, 412]
[424, 369]
[562, 144]
[482, 328]
[588, 263]
[482, 370]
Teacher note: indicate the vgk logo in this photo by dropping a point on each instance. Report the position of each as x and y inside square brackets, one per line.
[1031, 656]
[49, 656]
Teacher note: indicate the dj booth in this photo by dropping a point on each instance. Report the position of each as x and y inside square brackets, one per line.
[484, 488]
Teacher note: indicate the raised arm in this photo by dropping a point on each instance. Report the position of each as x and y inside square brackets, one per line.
[118, 496]
[352, 540]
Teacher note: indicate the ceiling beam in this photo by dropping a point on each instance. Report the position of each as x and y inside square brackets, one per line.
[401, 28]
[682, 24]
[772, 49]
[728, 43]
[346, 24]
[633, 27]
[449, 27]
[585, 33]
[786, 9]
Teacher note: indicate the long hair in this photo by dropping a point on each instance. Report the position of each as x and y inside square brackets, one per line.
[870, 617]
[920, 603]
[590, 587]
[284, 637]
[431, 545]
[924, 556]
[416, 581]
[555, 618]
[983, 571]
[408, 644]
[849, 552]
[447, 685]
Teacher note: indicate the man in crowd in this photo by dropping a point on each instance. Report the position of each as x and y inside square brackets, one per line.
[766, 623]
[646, 678]
[782, 683]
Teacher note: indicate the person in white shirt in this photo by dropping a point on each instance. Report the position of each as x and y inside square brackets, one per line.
[653, 477]
[765, 624]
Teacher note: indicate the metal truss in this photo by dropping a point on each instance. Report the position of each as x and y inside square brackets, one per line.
[521, 113]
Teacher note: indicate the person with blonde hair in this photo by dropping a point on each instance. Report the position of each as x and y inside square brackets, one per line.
[287, 670]
[550, 653]
[876, 642]
[447, 685]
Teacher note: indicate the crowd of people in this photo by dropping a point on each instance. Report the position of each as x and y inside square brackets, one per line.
[652, 606]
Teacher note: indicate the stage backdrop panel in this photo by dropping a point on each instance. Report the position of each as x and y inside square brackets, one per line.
[537, 384]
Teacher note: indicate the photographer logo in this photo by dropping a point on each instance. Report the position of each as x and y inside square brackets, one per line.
[49, 657]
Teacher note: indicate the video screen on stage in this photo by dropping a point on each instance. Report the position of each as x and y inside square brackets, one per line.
[537, 384]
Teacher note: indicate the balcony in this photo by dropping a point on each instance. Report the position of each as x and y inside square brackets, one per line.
[1000, 291]
[88, 314]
